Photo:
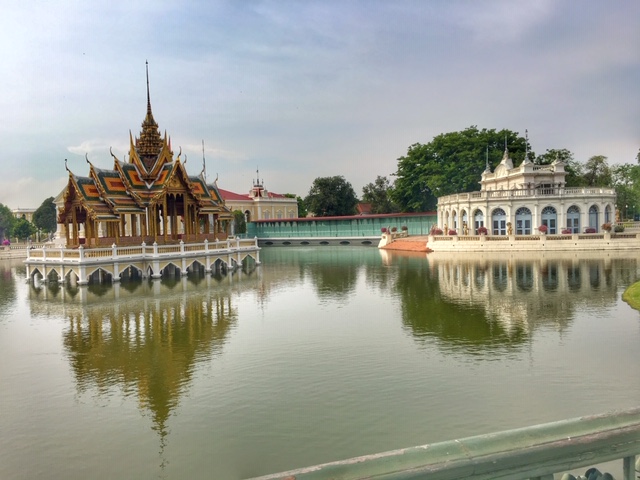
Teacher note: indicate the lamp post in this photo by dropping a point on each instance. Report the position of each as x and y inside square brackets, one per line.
[626, 212]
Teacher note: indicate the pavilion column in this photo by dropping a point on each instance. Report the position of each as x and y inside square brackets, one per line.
[96, 228]
[88, 233]
[75, 226]
[143, 219]
[164, 218]
[206, 224]
[186, 216]
[174, 219]
[134, 225]
[156, 221]
[122, 226]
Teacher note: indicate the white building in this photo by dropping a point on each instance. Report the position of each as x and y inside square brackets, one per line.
[517, 200]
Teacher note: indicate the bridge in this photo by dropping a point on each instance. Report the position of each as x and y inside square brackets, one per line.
[343, 230]
[536, 452]
[82, 265]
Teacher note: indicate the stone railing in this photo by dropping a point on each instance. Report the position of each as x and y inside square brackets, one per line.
[117, 252]
[524, 192]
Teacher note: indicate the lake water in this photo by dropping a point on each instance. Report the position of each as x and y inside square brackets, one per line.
[317, 355]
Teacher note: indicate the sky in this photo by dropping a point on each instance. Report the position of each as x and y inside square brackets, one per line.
[305, 89]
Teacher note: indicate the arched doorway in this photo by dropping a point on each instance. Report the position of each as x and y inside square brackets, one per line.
[499, 222]
[523, 221]
[550, 219]
[573, 219]
[478, 220]
[593, 217]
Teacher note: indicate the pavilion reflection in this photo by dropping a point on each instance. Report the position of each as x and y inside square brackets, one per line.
[144, 339]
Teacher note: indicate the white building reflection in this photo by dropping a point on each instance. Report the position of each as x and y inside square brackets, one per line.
[520, 289]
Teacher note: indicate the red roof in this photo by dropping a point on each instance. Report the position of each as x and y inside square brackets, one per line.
[227, 195]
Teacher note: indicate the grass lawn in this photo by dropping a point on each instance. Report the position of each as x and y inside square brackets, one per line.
[632, 295]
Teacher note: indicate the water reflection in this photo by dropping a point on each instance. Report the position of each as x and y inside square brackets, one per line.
[477, 302]
[143, 338]
[7, 286]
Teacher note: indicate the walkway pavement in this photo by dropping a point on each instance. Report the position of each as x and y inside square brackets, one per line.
[409, 244]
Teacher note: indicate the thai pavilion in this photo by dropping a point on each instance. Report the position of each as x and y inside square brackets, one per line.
[150, 198]
[520, 199]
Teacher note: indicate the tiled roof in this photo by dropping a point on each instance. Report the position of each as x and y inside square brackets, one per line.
[227, 195]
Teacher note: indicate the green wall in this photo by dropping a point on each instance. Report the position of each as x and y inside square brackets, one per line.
[352, 226]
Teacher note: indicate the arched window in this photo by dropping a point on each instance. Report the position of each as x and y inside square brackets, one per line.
[478, 220]
[499, 222]
[523, 221]
[593, 217]
[247, 216]
[454, 220]
[607, 214]
[573, 219]
[550, 219]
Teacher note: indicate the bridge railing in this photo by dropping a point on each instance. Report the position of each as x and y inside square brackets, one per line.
[536, 452]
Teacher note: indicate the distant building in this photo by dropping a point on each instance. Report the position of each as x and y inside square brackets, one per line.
[363, 208]
[520, 199]
[26, 213]
[260, 204]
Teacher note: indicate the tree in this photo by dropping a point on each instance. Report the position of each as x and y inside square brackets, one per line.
[597, 172]
[6, 221]
[452, 163]
[331, 196]
[23, 229]
[574, 169]
[44, 218]
[626, 181]
[239, 221]
[302, 209]
[378, 194]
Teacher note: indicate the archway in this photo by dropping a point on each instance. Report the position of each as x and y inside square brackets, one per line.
[593, 217]
[550, 219]
[478, 219]
[523, 221]
[573, 219]
[499, 222]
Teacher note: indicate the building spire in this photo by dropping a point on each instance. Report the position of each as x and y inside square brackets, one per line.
[486, 161]
[148, 96]
[149, 144]
[204, 165]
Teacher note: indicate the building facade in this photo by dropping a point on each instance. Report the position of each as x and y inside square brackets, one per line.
[261, 204]
[518, 200]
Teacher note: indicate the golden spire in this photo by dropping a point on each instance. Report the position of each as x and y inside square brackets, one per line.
[149, 144]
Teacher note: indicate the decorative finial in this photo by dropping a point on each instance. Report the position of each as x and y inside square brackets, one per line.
[86, 157]
[65, 166]
[486, 156]
[111, 152]
[204, 165]
[148, 96]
